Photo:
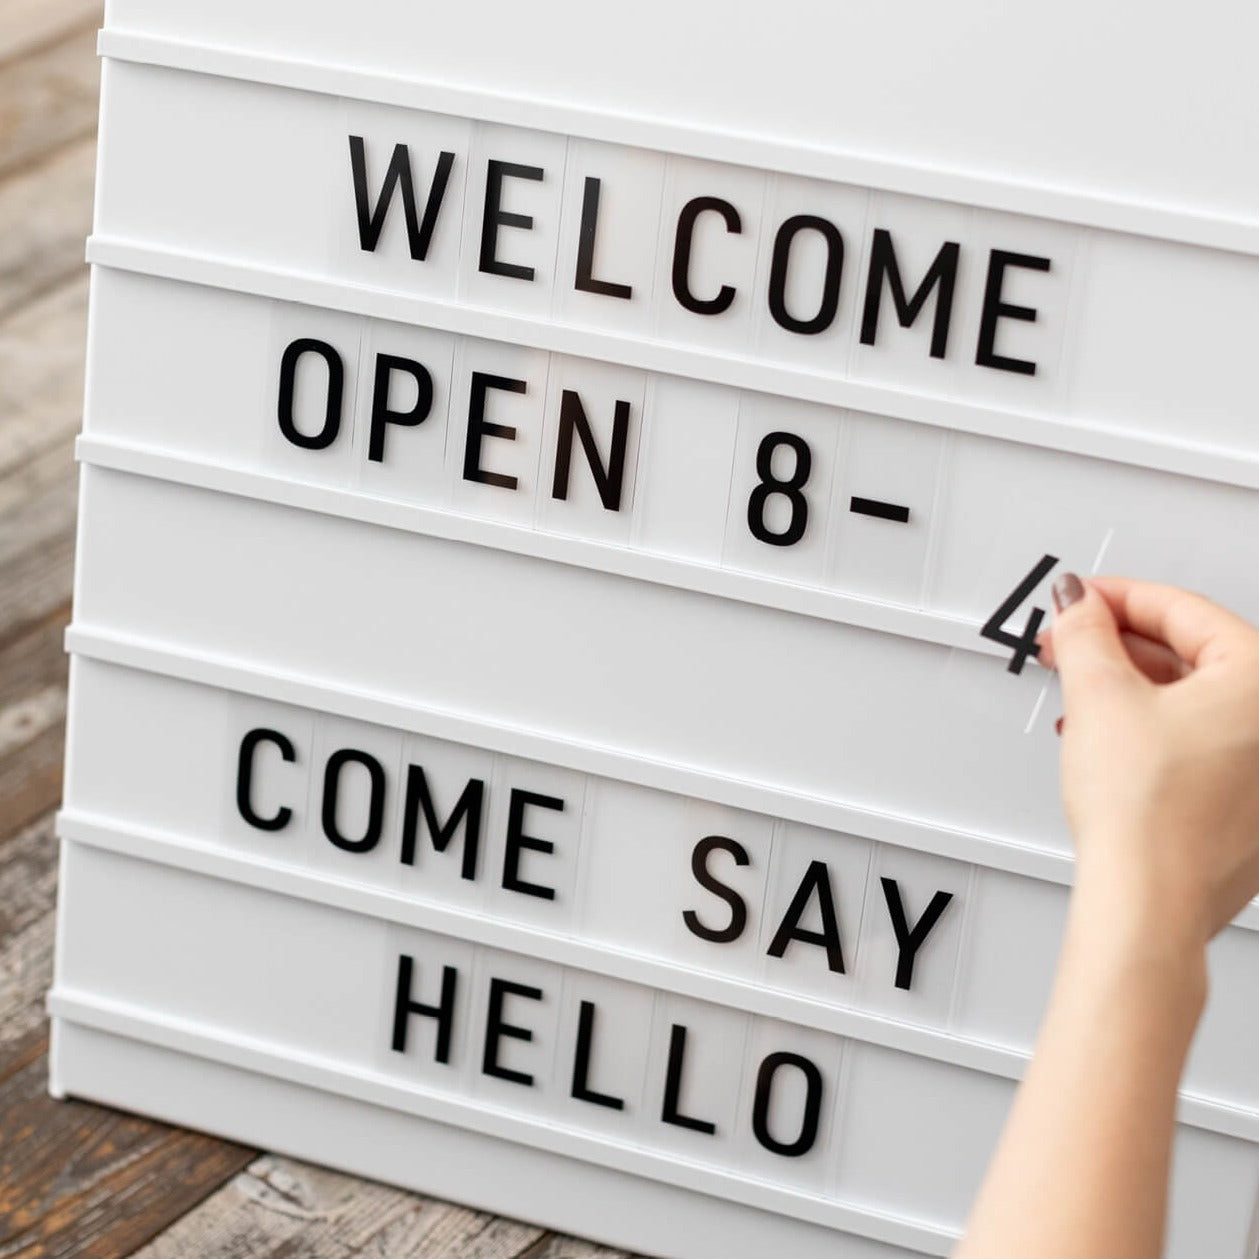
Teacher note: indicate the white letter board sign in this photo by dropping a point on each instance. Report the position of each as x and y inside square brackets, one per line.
[568, 499]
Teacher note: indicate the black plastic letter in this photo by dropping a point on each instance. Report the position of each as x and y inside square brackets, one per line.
[816, 882]
[780, 267]
[371, 221]
[382, 414]
[245, 778]
[288, 386]
[517, 841]
[495, 216]
[682, 245]
[405, 1005]
[910, 940]
[581, 1089]
[496, 1028]
[376, 804]
[467, 810]
[942, 272]
[994, 308]
[812, 1104]
[609, 481]
[585, 278]
[708, 881]
[673, 1086]
[479, 428]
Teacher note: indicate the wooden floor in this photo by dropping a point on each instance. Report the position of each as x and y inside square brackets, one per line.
[77, 1180]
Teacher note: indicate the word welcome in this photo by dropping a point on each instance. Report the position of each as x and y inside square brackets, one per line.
[698, 220]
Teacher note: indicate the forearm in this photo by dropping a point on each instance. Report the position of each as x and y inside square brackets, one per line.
[1082, 1168]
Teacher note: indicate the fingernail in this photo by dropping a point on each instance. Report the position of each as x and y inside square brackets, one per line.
[1068, 589]
[1058, 725]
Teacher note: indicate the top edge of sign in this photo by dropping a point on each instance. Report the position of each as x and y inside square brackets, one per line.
[1093, 163]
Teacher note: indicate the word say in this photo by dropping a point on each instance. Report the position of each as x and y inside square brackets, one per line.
[814, 897]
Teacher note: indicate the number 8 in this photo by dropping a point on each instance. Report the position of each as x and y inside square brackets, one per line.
[789, 489]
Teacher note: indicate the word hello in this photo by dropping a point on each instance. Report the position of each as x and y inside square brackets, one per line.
[507, 1009]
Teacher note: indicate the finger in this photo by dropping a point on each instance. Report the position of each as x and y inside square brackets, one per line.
[1196, 629]
[1088, 651]
[1156, 660]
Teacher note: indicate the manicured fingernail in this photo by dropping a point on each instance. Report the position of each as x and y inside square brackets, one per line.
[1058, 725]
[1068, 589]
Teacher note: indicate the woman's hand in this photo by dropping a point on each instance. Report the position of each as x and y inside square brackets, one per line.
[1160, 778]
[1160, 752]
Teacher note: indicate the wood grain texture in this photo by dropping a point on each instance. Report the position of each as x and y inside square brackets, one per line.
[41, 389]
[83, 1181]
[45, 217]
[49, 96]
[280, 1208]
[75, 1179]
[41, 373]
[41, 376]
[29, 662]
[27, 887]
[32, 725]
[26, 26]
[556, 1246]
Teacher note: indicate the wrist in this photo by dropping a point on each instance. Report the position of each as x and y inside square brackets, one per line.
[1137, 946]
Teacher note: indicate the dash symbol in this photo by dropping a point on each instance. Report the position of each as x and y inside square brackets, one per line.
[884, 511]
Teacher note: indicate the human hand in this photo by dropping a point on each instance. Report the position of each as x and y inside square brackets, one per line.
[1160, 751]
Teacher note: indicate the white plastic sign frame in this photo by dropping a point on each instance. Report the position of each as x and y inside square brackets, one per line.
[564, 520]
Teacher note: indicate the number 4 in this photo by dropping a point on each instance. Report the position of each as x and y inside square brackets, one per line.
[1024, 644]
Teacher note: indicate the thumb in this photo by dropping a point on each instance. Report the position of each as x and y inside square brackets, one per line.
[1087, 647]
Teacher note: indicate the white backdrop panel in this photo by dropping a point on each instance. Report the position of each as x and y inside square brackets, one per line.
[901, 1137]
[682, 880]
[196, 373]
[959, 88]
[1124, 331]
[828, 711]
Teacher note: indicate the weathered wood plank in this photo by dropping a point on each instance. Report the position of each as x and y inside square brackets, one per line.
[45, 469]
[45, 217]
[556, 1246]
[37, 490]
[280, 1208]
[79, 1180]
[28, 876]
[33, 660]
[48, 99]
[33, 671]
[34, 498]
[28, 880]
[74, 1179]
[25, 973]
[41, 383]
[37, 554]
[41, 374]
[29, 25]
[30, 780]
[34, 715]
